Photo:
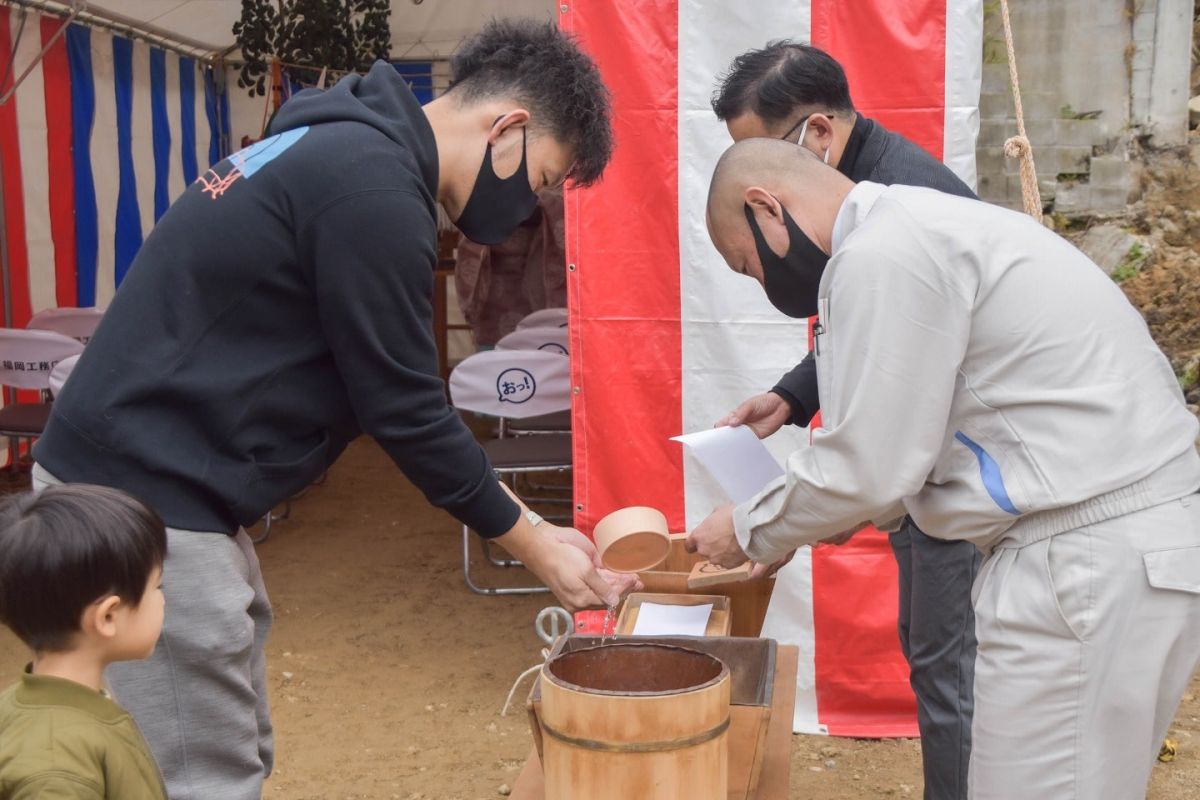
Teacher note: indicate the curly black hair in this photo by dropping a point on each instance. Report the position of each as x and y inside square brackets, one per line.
[546, 70]
[778, 79]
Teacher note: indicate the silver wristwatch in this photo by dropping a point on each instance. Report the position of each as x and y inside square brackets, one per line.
[534, 518]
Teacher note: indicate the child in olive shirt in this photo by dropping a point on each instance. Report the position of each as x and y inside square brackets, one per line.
[80, 575]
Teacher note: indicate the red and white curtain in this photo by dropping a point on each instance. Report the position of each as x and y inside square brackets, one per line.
[95, 143]
[666, 339]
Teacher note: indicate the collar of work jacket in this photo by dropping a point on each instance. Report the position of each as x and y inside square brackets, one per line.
[854, 210]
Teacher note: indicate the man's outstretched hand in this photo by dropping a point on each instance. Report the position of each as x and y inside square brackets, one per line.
[764, 414]
[714, 539]
[580, 587]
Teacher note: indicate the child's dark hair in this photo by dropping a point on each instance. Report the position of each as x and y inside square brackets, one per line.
[65, 548]
[544, 68]
[779, 79]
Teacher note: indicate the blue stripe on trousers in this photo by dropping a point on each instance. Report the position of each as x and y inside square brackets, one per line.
[161, 131]
[129, 223]
[83, 111]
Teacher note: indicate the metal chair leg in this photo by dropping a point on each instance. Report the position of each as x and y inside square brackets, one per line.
[271, 517]
[268, 518]
[477, 589]
[499, 562]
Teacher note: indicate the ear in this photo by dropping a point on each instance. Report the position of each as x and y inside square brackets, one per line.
[822, 126]
[101, 617]
[517, 118]
[763, 203]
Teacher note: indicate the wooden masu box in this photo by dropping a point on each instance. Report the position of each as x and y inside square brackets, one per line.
[751, 665]
[718, 620]
[748, 600]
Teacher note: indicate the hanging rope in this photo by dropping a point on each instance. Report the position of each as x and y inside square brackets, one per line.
[1019, 146]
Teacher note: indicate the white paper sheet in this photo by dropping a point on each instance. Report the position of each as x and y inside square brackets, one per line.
[736, 459]
[656, 619]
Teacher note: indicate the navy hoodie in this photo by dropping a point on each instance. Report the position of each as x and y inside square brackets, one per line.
[281, 307]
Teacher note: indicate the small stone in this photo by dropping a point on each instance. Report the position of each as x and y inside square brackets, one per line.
[830, 764]
[815, 769]
[1194, 111]
[287, 654]
[491, 727]
[905, 788]
[429, 707]
[830, 752]
[504, 790]
[287, 676]
[1110, 246]
[1187, 698]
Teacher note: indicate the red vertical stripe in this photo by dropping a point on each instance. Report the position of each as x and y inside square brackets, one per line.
[894, 53]
[623, 292]
[56, 76]
[10, 157]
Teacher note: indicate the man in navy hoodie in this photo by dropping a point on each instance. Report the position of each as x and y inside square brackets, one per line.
[279, 309]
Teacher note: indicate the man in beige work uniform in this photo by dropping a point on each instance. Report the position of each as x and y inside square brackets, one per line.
[980, 374]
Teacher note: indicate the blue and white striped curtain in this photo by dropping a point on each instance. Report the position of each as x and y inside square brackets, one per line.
[142, 124]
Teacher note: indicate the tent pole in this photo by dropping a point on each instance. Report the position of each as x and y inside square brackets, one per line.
[38, 58]
[116, 23]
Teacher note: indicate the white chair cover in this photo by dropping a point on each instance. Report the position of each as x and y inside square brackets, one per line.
[27, 357]
[78, 323]
[551, 340]
[512, 383]
[544, 318]
[60, 373]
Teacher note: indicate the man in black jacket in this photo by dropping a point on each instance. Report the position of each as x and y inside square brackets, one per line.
[283, 306]
[799, 93]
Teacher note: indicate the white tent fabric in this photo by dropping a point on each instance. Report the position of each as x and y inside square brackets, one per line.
[425, 29]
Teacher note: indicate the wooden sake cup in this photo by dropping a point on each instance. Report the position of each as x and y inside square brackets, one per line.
[632, 539]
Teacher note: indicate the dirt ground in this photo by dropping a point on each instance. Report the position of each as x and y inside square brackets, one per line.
[387, 676]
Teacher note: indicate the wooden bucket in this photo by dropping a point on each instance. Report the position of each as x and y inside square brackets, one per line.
[628, 720]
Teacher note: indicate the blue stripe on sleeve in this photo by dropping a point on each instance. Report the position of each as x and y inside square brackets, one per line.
[989, 471]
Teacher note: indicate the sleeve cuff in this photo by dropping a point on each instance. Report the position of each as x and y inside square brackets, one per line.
[793, 404]
[756, 548]
[490, 512]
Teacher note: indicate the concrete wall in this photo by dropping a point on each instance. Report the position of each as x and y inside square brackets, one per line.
[1095, 75]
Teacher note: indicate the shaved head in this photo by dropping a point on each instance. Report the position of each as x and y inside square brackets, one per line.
[777, 166]
[768, 175]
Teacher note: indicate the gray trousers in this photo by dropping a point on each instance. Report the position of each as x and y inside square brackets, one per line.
[1087, 640]
[201, 698]
[937, 636]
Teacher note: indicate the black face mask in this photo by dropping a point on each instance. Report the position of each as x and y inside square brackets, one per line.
[497, 206]
[792, 280]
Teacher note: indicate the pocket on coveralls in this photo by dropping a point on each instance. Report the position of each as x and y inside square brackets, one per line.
[1177, 569]
[1070, 570]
